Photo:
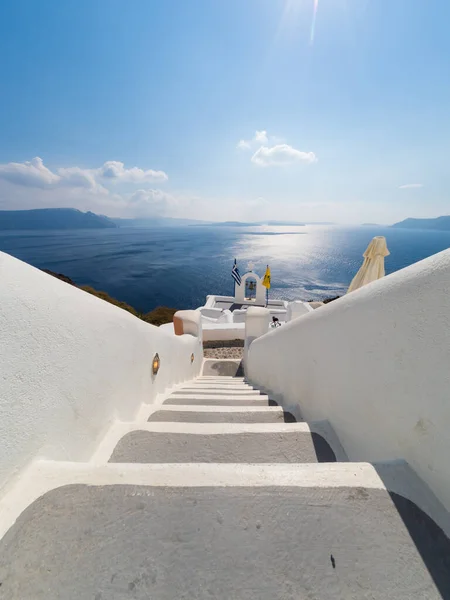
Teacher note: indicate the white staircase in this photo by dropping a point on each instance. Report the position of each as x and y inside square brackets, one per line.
[218, 493]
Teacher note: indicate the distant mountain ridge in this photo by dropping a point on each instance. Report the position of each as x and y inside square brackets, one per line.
[52, 218]
[438, 224]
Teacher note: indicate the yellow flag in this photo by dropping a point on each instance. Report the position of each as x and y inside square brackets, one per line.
[266, 280]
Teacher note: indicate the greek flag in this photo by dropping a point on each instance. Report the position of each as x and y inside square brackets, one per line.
[235, 273]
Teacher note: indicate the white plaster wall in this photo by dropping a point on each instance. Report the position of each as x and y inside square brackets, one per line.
[223, 331]
[70, 364]
[212, 299]
[297, 309]
[211, 313]
[376, 364]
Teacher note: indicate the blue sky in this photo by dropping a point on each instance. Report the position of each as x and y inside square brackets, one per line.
[227, 109]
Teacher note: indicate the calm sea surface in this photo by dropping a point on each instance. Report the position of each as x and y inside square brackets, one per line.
[178, 267]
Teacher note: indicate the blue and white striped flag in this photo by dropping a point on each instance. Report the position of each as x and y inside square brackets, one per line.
[235, 273]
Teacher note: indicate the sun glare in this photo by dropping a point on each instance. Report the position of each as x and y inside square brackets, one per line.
[313, 24]
[291, 13]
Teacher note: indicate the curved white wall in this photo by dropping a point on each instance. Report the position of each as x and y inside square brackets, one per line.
[376, 364]
[70, 364]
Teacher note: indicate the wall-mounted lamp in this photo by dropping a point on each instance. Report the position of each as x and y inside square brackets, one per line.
[192, 358]
[156, 364]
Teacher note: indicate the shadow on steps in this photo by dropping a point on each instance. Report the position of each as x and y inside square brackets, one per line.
[223, 368]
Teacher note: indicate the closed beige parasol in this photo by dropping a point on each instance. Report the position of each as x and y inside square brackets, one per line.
[373, 265]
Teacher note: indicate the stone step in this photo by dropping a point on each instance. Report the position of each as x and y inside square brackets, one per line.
[222, 367]
[222, 379]
[223, 408]
[162, 442]
[230, 382]
[219, 400]
[227, 387]
[218, 416]
[310, 531]
[219, 391]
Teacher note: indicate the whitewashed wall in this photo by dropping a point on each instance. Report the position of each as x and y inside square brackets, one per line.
[376, 364]
[70, 364]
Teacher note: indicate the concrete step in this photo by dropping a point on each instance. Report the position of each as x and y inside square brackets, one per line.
[222, 367]
[219, 391]
[229, 387]
[219, 416]
[213, 531]
[175, 442]
[222, 379]
[230, 382]
[214, 400]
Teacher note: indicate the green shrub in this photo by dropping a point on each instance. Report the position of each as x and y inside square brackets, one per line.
[105, 296]
[159, 315]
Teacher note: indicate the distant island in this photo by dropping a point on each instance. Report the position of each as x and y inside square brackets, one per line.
[262, 223]
[157, 222]
[72, 218]
[438, 224]
[52, 218]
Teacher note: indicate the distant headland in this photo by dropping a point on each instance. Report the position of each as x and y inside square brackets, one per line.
[52, 218]
[438, 224]
[72, 218]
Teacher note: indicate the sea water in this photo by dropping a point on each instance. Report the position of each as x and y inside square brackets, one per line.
[179, 266]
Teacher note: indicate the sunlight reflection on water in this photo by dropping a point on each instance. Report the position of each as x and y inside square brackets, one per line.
[179, 266]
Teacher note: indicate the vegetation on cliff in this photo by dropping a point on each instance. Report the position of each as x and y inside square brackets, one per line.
[158, 316]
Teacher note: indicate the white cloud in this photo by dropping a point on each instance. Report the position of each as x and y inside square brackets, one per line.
[116, 171]
[281, 155]
[259, 138]
[76, 177]
[30, 174]
[410, 186]
[243, 145]
[270, 151]
[151, 203]
[35, 174]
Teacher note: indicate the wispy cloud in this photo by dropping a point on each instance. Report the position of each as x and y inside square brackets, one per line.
[410, 186]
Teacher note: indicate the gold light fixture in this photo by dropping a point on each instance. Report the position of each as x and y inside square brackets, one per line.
[156, 364]
[192, 358]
